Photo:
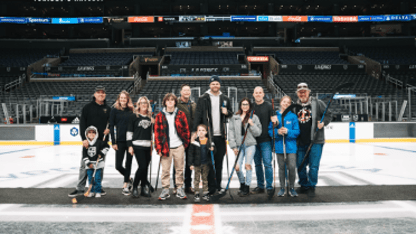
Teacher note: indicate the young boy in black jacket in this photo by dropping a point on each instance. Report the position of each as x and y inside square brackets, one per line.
[200, 161]
[96, 147]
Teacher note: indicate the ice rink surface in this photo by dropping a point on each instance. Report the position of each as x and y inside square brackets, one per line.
[342, 164]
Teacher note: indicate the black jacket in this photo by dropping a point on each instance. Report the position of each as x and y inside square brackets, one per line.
[194, 153]
[204, 106]
[96, 115]
[120, 120]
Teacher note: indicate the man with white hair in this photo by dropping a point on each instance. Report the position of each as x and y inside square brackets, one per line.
[309, 116]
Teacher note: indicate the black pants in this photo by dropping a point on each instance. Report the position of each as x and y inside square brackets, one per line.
[188, 172]
[219, 159]
[142, 156]
[123, 150]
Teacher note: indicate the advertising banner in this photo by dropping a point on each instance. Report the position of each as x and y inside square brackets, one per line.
[64, 20]
[258, 58]
[320, 18]
[13, 20]
[321, 67]
[66, 98]
[275, 18]
[141, 19]
[192, 18]
[263, 18]
[243, 18]
[295, 18]
[38, 20]
[398, 17]
[181, 69]
[91, 20]
[371, 18]
[345, 19]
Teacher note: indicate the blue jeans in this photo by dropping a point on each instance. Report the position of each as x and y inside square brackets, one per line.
[248, 154]
[262, 157]
[96, 188]
[310, 179]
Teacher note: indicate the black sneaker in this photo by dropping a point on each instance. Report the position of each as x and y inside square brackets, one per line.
[103, 193]
[197, 198]
[257, 190]
[270, 192]
[311, 192]
[302, 190]
[212, 192]
[76, 193]
[221, 190]
[205, 197]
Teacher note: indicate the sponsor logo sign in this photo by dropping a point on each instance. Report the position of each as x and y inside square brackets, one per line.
[322, 67]
[398, 17]
[67, 98]
[412, 67]
[38, 20]
[258, 58]
[246, 18]
[345, 19]
[90, 68]
[141, 19]
[93, 20]
[262, 18]
[295, 18]
[325, 19]
[283, 66]
[275, 18]
[13, 20]
[64, 20]
[371, 18]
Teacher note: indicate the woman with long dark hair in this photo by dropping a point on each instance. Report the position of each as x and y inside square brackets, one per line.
[119, 118]
[139, 139]
[239, 124]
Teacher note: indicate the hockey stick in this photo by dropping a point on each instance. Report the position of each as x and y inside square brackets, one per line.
[151, 146]
[158, 168]
[212, 153]
[345, 85]
[216, 197]
[224, 104]
[273, 158]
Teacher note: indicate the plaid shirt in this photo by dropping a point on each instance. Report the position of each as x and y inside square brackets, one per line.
[162, 131]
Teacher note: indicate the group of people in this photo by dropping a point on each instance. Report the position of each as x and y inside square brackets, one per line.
[193, 136]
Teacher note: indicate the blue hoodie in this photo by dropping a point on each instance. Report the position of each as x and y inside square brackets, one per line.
[292, 125]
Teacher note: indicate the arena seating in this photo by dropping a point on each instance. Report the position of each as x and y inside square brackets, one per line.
[24, 57]
[324, 82]
[100, 59]
[396, 55]
[206, 58]
[306, 57]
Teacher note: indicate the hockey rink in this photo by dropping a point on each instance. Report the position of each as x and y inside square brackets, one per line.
[342, 164]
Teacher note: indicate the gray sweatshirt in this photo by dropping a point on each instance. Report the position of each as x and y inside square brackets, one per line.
[234, 133]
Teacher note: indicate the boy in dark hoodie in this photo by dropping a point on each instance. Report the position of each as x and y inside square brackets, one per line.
[200, 161]
[90, 155]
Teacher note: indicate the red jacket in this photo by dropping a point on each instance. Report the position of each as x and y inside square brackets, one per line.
[162, 131]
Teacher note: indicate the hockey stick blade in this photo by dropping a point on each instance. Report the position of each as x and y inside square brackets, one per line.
[345, 85]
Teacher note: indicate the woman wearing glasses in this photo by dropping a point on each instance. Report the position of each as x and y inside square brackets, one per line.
[241, 123]
[139, 137]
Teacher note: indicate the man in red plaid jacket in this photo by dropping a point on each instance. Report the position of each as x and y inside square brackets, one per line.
[171, 138]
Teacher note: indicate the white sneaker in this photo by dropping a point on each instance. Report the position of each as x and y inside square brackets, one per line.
[98, 195]
[91, 194]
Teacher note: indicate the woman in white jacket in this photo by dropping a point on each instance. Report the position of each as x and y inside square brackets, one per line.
[239, 123]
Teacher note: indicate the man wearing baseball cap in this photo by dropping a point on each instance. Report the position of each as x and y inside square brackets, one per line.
[217, 107]
[95, 113]
[309, 116]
